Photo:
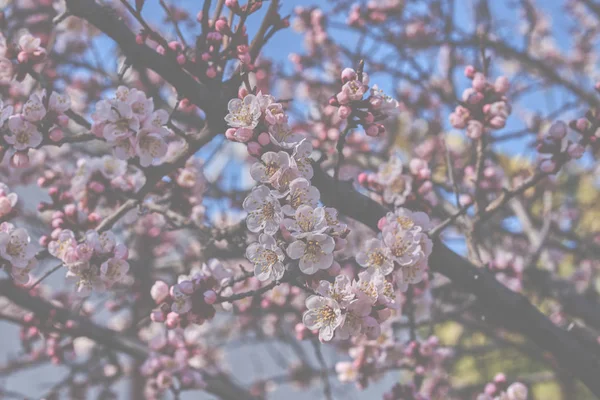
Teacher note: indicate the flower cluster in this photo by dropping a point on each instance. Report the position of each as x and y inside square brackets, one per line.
[41, 115]
[483, 105]
[96, 263]
[396, 185]
[500, 390]
[192, 299]
[129, 123]
[283, 209]
[558, 146]
[403, 249]
[358, 110]
[347, 308]
[17, 252]
[172, 363]
[26, 53]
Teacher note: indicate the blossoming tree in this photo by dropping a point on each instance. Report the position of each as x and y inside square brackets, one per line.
[407, 206]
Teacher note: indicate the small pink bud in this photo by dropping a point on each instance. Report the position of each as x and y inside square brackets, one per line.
[181, 60]
[362, 178]
[62, 120]
[479, 82]
[348, 74]
[210, 297]
[582, 124]
[56, 135]
[254, 149]
[264, 139]
[242, 92]
[23, 57]
[470, 71]
[501, 85]
[381, 223]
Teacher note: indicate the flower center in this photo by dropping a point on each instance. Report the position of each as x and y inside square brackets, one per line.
[326, 315]
[268, 210]
[376, 259]
[313, 250]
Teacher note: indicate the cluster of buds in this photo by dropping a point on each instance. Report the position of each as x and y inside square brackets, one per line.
[40, 337]
[559, 148]
[484, 105]
[40, 117]
[66, 215]
[19, 58]
[97, 263]
[191, 301]
[170, 364]
[499, 389]
[397, 184]
[357, 109]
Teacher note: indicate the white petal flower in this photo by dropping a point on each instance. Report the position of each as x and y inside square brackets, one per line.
[323, 314]
[376, 256]
[517, 391]
[113, 270]
[301, 156]
[397, 190]
[340, 290]
[111, 167]
[59, 102]
[283, 136]
[264, 211]
[403, 244]
[271, 165]
[353, 318]
[16, 247]
[267, 258]
[410, 220]
[182, 302]
[33, 109]
[306, 221]
[150, 147]
[25, 134]
[315, 252]
[300, 193]
[243, 113]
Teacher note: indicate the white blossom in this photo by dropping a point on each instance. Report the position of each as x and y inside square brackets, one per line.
[376, 256]
[243, 113]
[24, 134]
[264, 211]
[15, 245]
[267, 258]
[323, 314]
[306, 221]
[315, 252]
[300, 193]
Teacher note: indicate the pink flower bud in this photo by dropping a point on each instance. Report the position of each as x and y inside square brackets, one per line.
[242, 92]
[470, 71]
[56, 135]
[159, 291]
[97, 187]
[186, 287]
[369, 118]
[348, 74]
[344, 112]
[172, 320]
[23, 57]
[479, 82]
[222, 26]
[382, 223]
[264, 139]
[157, 316]
[254, 149]
[181, 59]
[210, 297]
[501, 85]
[558, 130]
[582, 124]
